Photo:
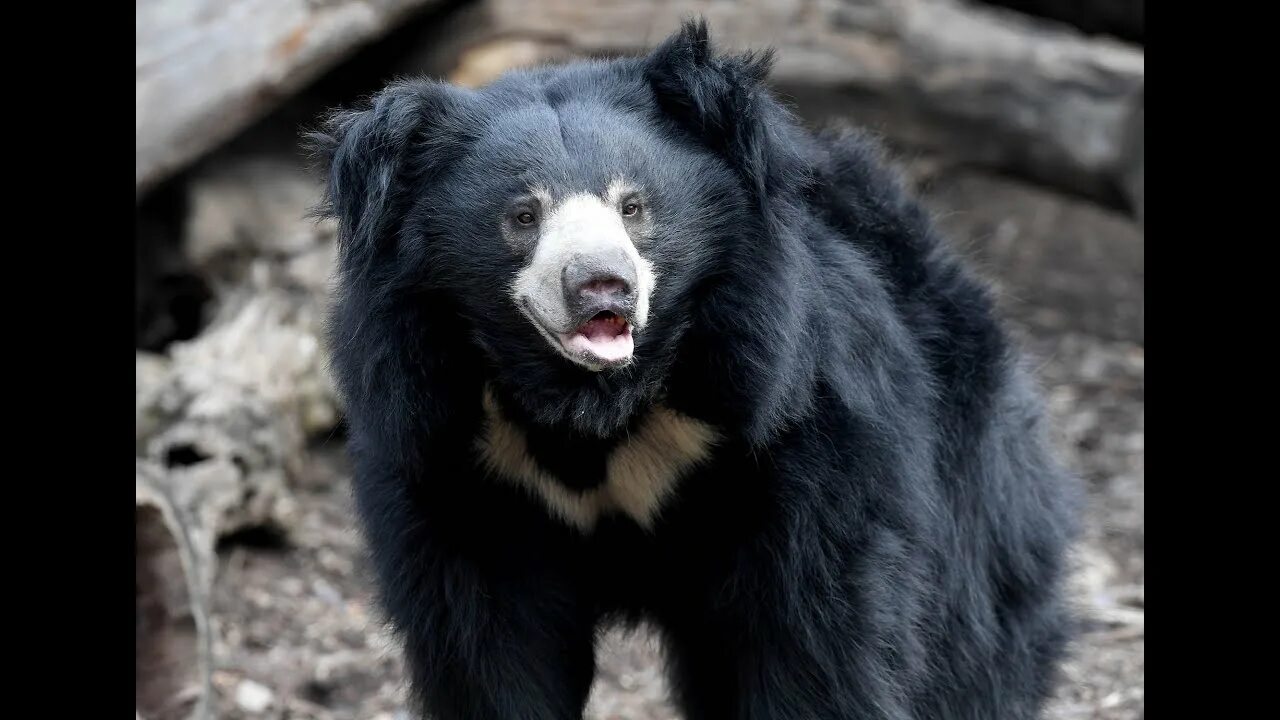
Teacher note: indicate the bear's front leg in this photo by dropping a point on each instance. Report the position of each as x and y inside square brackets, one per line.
[795, 632]
[492, 627]
[481, 646]
[759, 672]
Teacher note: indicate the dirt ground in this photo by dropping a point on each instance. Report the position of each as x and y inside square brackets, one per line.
[295, 635]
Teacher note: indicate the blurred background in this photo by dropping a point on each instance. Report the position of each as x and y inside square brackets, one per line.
[1019, 122]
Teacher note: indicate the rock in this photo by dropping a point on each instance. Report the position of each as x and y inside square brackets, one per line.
[629, 682]
[254, 698]
[205, 69]
[983, 84]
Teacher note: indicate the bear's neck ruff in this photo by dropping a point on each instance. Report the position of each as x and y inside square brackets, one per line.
[639, 472]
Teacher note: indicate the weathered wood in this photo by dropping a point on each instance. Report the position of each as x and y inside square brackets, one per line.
[172, 655]
[219, 435]
[976, 83]
[204, 69]
[1125, 19]
[225, 418]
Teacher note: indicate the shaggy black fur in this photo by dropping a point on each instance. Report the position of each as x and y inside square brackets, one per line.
[880, 534]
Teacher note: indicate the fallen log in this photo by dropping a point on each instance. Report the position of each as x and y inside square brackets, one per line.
[206, 69]
[978, 84]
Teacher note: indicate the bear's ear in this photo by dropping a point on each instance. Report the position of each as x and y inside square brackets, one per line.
[369, 157]
[723, 101]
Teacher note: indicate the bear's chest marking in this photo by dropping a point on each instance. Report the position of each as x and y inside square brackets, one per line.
[640, 472]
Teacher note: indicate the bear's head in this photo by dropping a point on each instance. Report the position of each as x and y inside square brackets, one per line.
[570, 225]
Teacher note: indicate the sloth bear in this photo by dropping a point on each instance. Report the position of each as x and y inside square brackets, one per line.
[620, 341]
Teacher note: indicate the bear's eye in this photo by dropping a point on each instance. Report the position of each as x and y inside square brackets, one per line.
[630, 209]
[525, 218]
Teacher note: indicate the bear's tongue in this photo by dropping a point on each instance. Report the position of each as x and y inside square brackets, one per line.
[603, 327]
[606, 336]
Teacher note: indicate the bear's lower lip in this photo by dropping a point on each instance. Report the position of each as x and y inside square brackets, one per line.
[604, 339]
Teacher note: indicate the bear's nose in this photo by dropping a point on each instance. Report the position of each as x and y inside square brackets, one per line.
[599, 282]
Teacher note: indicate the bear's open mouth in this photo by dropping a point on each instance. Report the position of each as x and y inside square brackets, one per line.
[604, 339]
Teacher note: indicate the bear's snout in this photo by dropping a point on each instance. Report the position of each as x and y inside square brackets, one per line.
[600, 282]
